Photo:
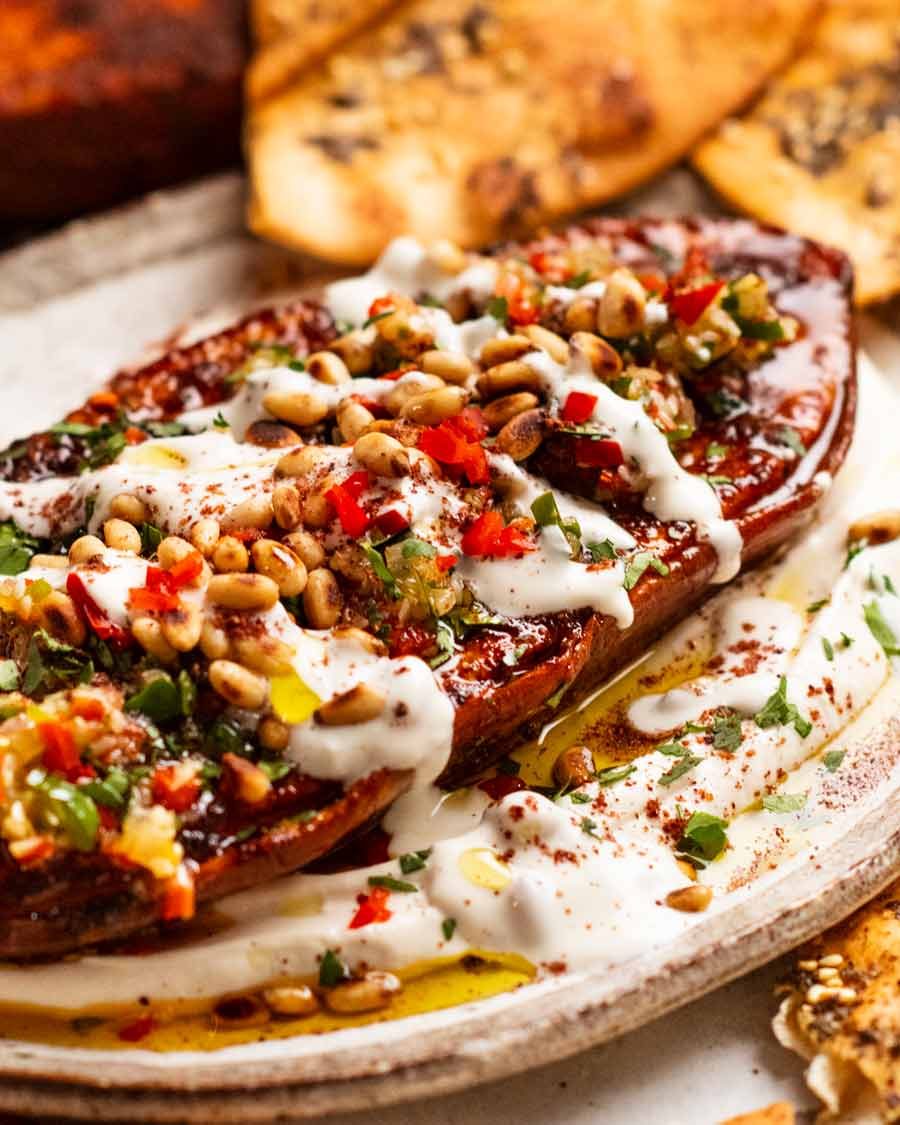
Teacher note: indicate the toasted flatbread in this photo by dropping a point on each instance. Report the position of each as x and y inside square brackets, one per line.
[472, 122]
[820, 153]
[852, 1041]
[292, 35]
[779, 1113]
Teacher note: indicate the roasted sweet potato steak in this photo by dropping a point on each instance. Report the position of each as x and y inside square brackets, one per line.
[519, 479]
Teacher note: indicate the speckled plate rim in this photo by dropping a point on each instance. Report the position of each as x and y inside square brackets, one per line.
[422, 1056]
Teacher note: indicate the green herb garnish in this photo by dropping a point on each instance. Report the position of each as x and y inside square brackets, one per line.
[778, 712]
[389, 883]
[638, 564]
[784, 802]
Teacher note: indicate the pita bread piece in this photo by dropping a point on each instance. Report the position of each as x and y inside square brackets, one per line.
[842, 1012]
[820, 153]
[779, 1113]
[476, 121]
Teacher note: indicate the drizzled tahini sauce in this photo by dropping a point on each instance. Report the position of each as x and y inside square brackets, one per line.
[568, 883]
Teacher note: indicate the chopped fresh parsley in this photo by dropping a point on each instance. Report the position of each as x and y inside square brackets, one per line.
[382, 571]
[723, 404]
[448, 928]
[498, 308]
[715, 451]
[855, 548]
[578, 280]
[704, 837]
[512, 657]
[579, 798]
[555, 699]
[845, 641]
[446, 642]
[778, 712]
[159, 699]
[727, 733]
[389, 883]
[713, 480]
[611, 774]
[220, 421]
[788, 436]
[828, 648]
[638, 564]
[880, 630]
[832, 759]
[587, 826]
[605, 549]
[417, 548]
[814, 607]
[378, 316]
[16, 549]
[889, 585]
[414, 861]
[784, 802]
[332, 969]
[151, 537]
[275, 769]
[51, 663]
[684, 765]
[547, 514]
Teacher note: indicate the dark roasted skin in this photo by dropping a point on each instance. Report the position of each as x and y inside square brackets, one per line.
[809, 386]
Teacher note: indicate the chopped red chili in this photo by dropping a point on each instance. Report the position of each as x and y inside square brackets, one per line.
[391, 522]
[354, 519]
[60, 754]
[449, 444]
[578, 407]
[179, 900]
[96, 618]
[172, 789]
[689, 305]
[600, 453]
[446, 562]
[372, 908]
[488, 537]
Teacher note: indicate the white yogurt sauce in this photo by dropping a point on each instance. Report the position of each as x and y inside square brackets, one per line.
[566, 883]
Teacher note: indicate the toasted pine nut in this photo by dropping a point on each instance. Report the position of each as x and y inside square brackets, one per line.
[230, 555]
[352, 419]
[406, 432]
[382, 455]
[127, 506]
[297, 407]
[148, 633]
[508, 377]
[270, 435]
[452, 367]
[250, 783]
[302, 462]
[434, 406]
[361, 637]
[205, 535]
[242, 591]
[376, 990]
[522, 435]
[214, 643]
[581, 315]
[358, 705]
[286, 505]
[57, 614]
[447, 256]
[328, 368]
[49, 562]
[316, 509]
[555, 346]
[832, 960]
[574, 767]
[605, 361]
[122, 536]
[291, 1000]
[504, 349]
[691, 900]
[407, 388]
[182, 627]
[281, 565]
[497, 413]
[264, 654]
[238, 685]
[879, 527]
[85, 548]
[356, 350]
[687, 869]
[322, 601]
[239, 1011]
[272, 733]
[255, 511]
[306, 547]
[173, 549]
[621, 309]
